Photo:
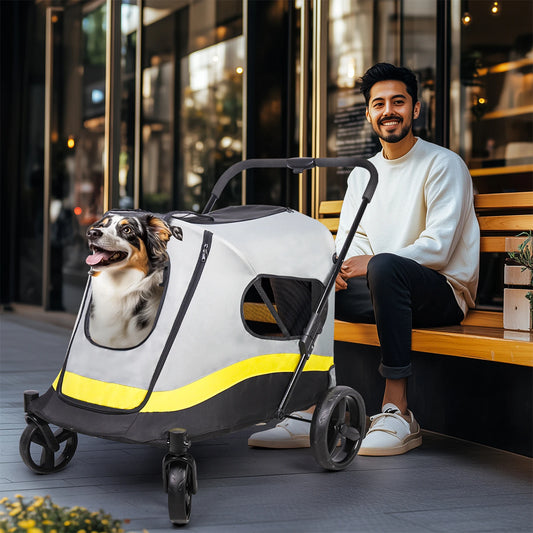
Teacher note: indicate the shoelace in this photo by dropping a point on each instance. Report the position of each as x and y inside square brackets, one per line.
[379, 420]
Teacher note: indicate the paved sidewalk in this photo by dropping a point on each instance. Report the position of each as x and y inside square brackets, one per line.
[447, 485]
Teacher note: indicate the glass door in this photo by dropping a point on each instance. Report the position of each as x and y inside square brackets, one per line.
[79, 185]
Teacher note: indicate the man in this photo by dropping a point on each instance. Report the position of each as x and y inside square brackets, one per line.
[414, 261]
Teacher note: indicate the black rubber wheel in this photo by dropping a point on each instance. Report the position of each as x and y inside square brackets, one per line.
[180, 490]
[39, 457]
[338, 427]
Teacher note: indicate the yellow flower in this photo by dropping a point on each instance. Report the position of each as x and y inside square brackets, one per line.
[66, 523]
[26, 524]
[19, 496]
[48, 523]
[14, 512]
[35, 530]
[4, 500]
[39, 501]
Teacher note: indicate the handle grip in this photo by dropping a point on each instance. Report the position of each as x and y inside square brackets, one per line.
[297, 165]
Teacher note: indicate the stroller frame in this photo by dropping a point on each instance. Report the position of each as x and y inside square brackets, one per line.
[339, 415]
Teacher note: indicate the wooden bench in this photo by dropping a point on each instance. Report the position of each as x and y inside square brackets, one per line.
[481, 335]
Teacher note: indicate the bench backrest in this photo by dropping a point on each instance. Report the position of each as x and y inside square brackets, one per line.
[501, 217]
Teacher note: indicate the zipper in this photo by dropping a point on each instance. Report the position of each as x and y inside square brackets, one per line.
[189, 294]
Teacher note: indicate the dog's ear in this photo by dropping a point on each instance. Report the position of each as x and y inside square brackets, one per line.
[158, 235]
[159, 228]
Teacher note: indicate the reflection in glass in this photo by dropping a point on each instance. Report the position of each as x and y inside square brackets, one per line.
[157, 135]
[129, 23]
[211, 119]
[361, 33]
[349, 55]
[497, 87]
[193, 65]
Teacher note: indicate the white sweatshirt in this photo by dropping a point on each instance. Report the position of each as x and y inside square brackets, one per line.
[423, 209]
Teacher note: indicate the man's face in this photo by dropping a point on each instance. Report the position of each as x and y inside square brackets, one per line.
[390, 110]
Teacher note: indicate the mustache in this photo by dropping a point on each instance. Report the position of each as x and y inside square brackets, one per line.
[392, 117]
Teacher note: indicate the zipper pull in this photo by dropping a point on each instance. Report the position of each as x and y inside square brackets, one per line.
[205, 252]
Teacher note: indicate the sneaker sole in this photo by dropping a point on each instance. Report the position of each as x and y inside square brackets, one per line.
[296, 442]
[411, 443]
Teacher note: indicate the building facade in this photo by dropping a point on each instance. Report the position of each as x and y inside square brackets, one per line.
[144, 103]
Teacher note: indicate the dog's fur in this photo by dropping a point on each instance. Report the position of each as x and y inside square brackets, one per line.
[127, 263]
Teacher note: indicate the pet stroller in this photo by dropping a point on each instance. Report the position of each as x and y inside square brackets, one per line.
[244, 334]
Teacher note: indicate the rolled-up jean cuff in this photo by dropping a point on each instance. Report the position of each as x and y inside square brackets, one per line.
[395, 372]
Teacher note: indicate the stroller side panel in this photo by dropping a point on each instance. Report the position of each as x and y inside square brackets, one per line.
[201, 367]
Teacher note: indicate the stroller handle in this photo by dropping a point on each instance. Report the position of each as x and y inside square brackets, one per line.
[297, 165]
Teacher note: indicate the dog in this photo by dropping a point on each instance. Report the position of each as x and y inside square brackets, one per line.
[129, 255]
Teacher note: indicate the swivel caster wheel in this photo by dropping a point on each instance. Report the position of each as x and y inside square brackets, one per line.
[180, 479]
[337, 428]
[180, 488]
[38, 452]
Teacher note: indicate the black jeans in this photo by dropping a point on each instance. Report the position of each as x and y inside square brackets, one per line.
[398, 294]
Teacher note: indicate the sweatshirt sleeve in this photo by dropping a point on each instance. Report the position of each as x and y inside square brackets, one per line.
[449, 199]
[360, 244]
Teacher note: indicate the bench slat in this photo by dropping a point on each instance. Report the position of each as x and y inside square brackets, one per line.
[331, 223]
[511, 200]
[489, 319]
[506, 223]
[330, 207]
[487, 244]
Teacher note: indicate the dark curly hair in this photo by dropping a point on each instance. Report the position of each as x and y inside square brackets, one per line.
[384, 72]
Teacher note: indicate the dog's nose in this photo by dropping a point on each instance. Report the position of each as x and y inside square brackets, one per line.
[93, 233]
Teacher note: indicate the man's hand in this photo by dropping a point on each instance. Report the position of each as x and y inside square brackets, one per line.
[351, 268]
[340, 284]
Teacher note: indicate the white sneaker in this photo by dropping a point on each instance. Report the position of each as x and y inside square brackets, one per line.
[390, 433]
[289, 433]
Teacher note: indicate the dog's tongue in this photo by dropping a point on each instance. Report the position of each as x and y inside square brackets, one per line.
[96, 257]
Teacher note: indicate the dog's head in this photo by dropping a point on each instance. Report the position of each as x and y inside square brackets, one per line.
[119, 242]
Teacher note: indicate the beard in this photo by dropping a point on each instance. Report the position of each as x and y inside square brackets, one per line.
[393, 137]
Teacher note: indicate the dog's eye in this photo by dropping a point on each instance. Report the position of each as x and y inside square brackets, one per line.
[127, 230]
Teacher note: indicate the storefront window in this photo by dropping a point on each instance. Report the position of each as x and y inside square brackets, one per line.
[192, 90]
[495, 118]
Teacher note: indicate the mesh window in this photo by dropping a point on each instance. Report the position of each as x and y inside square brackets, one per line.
[280, 307]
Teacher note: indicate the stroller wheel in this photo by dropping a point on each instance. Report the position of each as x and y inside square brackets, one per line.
[180, 490]
[37, 453]
[337, 428]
